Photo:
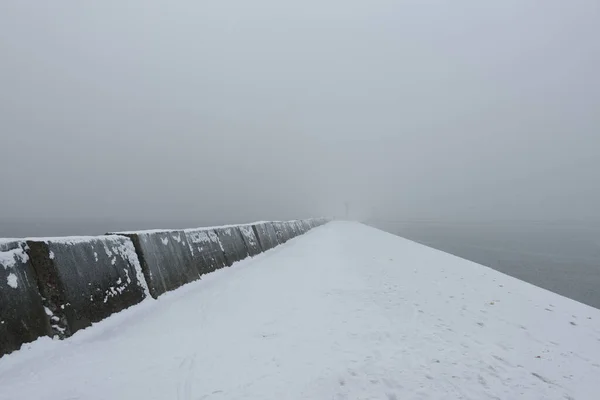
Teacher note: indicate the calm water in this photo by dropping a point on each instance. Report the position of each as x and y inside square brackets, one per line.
[563, 258]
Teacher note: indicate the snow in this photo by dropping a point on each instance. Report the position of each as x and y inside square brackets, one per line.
[204, 228]
[127, 251]
[343, 312]
[11, 280]
[71, 239]
[177, 237]
[198, 237]
[9, 258]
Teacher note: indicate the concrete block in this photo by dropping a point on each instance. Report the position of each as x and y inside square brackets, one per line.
[166, 259]
[85, 279]
[250, 240]
[22, 315]
[293, 228]
[232, 243]
[288, 228]
[299, 227]
[265, 233]
[306, 225]
[282, 231]
[206, 250]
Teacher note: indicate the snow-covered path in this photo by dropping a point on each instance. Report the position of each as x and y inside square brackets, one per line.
[343, 312]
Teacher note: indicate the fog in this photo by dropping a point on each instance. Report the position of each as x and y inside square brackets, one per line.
[141, 114]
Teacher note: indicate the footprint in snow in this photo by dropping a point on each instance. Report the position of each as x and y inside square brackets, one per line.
[482, 381]
[546, 380]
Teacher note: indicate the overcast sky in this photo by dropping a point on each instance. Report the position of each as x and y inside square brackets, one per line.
[175, 113]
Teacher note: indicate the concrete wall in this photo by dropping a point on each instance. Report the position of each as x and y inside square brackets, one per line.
[84, 280]
[22, 316]
[166, 259]
[232, 244]
[58, 286]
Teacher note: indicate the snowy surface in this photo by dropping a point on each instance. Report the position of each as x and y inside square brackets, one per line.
[343, 312]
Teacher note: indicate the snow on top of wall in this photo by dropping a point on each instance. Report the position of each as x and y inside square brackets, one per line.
[203, 228]
[74, 239]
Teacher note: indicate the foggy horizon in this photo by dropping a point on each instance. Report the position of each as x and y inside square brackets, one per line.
[144, 115]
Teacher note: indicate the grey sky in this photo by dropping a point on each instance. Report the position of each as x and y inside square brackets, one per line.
[230, 111]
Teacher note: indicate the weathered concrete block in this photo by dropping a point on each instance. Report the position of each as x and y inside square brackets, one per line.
[232, 243]
[206, 250]
[166, 259]
[250, 240]
[282, 231]
[22, 316]
[288, 228]
[303, 226]
[292, 228]
[85, 279]
[306, 225]
[300, 226]
[265, 233]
